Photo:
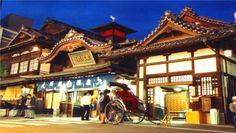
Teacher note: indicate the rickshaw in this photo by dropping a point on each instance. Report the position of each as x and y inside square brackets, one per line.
[124, 106]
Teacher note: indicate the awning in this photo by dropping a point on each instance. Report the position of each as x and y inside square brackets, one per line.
[8, 82]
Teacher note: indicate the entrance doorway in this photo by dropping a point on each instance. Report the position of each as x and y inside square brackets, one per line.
[172, 99]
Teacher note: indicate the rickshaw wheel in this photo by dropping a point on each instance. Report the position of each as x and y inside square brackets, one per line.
[136, 117]
[114, 112]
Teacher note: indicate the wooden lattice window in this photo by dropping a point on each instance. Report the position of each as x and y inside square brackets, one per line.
[206, 86]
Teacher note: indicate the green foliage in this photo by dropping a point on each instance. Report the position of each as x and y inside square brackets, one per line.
[2, 69]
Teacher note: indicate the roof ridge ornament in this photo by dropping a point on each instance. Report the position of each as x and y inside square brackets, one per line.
[188, 10]
[168, 13]
[113, 19]
[73, 33]
[23, 28]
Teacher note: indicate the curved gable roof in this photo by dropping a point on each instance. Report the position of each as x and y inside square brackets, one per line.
[187, 11]
[179, 24]
[74, 40]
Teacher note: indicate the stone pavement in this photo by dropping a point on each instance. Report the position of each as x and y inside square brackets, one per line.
[47, 120]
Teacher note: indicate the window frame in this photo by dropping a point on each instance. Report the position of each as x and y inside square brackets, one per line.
[33, 65]
[14, 68]
[25, 66]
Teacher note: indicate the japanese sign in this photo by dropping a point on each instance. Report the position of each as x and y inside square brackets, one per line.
[99, 81]
[81, 58]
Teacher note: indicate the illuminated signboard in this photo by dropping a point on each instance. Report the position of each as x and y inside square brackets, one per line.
[99, 81]
[81, 58]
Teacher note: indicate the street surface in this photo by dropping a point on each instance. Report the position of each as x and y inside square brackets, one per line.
[75, 125]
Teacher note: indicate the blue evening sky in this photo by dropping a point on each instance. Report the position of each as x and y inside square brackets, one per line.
[142, 16]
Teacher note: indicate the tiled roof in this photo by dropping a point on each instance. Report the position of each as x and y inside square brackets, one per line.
[172, 18]
[159, 46]
[203, 33]
[189, 11]
[68, 26]
[33, 33]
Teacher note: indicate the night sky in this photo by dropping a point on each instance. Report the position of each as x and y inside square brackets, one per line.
[142, 16]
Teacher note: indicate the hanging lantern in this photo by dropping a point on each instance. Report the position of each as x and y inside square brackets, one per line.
[228, 53]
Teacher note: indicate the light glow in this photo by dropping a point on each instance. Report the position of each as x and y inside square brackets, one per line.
[228, 53]
[177, 89]
[35, 48]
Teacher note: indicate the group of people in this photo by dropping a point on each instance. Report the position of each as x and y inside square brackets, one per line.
[103, 100]
[25, 106]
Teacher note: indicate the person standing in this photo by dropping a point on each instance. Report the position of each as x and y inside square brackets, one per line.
[104, 99]
[86, 102]
[20, 106]
[30, 105]
[232, 108]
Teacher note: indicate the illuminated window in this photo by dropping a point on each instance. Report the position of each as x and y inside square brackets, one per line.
[180, 55]
[157, 80]
[159, 58]
[203, 52]
[206, 86]
[155, 69]
[181, 78]
[141, 72]
[141, 89]
[23, 66]
[33, 65]
[141, 61]
[205, 65]
[14, 68]
[180, 66]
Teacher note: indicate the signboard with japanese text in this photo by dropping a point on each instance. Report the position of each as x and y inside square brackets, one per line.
[81, 58]
[99, 81]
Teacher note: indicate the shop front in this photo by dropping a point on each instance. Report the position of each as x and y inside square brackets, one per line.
[65, 95]
[11, 93]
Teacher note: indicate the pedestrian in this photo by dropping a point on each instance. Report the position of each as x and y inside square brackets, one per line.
[86, 102]
[30, 105]
[232, 108]
[20, 106]
[8, 106]
[104, 99]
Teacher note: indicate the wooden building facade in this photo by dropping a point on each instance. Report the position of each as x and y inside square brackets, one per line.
[73, 67]
[20, 57]
[182, 65]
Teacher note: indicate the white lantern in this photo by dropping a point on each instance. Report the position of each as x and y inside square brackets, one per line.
[228, 53]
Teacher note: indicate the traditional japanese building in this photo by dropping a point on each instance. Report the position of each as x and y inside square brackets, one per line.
[20, 57]
[187, 64]
[73, 67]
